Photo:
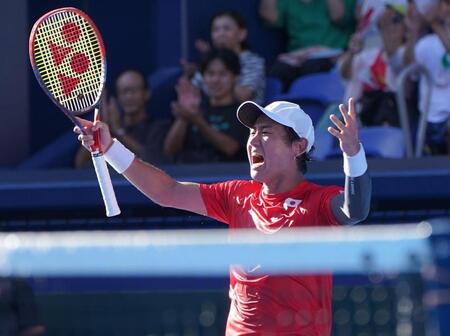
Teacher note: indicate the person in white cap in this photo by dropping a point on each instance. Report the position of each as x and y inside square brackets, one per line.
[278, 196]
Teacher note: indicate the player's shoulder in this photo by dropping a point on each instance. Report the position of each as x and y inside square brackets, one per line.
[244, 185]
[319, 189]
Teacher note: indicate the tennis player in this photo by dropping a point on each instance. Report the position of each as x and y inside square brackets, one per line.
[278, 196]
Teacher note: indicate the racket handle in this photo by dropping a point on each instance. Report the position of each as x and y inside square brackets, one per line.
[106, 187]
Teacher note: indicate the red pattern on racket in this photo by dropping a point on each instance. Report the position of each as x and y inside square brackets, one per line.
[68, 59]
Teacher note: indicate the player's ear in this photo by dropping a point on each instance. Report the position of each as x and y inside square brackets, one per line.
[300, 146]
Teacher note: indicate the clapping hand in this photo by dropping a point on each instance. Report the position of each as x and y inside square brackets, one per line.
[188, 104]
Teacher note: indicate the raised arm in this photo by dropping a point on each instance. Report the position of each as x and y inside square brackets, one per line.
[151, 181]
[346, 60]
[353, 206]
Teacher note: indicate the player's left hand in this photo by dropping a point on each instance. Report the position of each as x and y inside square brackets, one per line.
[346, 132]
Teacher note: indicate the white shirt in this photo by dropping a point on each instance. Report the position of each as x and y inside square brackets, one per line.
[429, 52]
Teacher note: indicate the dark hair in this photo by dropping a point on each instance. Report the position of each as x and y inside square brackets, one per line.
[302, 160]
[136, 71]
[227, 56]
[236, 17]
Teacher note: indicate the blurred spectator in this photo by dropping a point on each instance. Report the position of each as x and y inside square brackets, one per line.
[317, 33]
[129, 120]
[208, 130]
[432, 52]
[371, 73]
[368, 13]
[18, 311]
[229, 30]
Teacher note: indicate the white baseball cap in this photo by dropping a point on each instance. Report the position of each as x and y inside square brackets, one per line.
[283, 112]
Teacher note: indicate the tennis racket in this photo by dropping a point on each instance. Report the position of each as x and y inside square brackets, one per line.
[68, 60]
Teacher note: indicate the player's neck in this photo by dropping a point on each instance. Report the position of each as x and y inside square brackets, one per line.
[282, 183]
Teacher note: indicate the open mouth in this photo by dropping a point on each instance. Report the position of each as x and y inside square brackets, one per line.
[257, 159]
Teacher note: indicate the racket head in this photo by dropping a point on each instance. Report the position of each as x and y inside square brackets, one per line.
[68, 58]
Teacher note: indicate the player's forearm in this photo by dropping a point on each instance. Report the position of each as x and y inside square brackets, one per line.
[354, 205]
[357, 196]
[219, 140]
[151, 181]
[268, 10]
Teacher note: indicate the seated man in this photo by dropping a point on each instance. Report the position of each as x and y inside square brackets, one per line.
[206, 131]
[130, 121]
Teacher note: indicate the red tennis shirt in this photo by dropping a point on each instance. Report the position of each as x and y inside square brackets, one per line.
[268, 304]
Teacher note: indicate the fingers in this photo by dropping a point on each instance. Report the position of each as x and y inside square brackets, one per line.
[334, 132]
[85, 123]
[350, 114]
[99, 125]
[87, 140]
[337, 122]
[344, 113]
[351, 108]
[84, 130]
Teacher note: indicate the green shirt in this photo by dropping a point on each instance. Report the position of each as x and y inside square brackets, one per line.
[308, 24]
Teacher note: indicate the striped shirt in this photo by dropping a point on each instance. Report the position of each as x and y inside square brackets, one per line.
[253, 74]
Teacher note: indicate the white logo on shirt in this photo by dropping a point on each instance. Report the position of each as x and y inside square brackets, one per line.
[291, 203]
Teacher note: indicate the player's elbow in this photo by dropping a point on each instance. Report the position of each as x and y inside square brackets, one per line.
[359, 216]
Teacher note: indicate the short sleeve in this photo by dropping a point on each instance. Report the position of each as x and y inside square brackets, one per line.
[217, 199]
[326, 214]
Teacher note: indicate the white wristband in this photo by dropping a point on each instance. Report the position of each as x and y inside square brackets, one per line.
[119, 157]
[355, 165]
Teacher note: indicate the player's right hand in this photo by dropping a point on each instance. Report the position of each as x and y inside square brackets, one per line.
[86, 135]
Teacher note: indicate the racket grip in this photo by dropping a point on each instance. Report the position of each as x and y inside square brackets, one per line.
[106, 187]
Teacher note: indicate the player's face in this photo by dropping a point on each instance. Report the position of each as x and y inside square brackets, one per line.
[131, 93]
[219, 80]
[271, 157]
[225, 33]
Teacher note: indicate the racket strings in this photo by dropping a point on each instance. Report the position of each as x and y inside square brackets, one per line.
[69, 58]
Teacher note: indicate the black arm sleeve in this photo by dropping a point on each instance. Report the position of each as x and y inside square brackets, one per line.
[353, 205]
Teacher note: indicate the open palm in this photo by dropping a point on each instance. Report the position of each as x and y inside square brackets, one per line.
[346, 132]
